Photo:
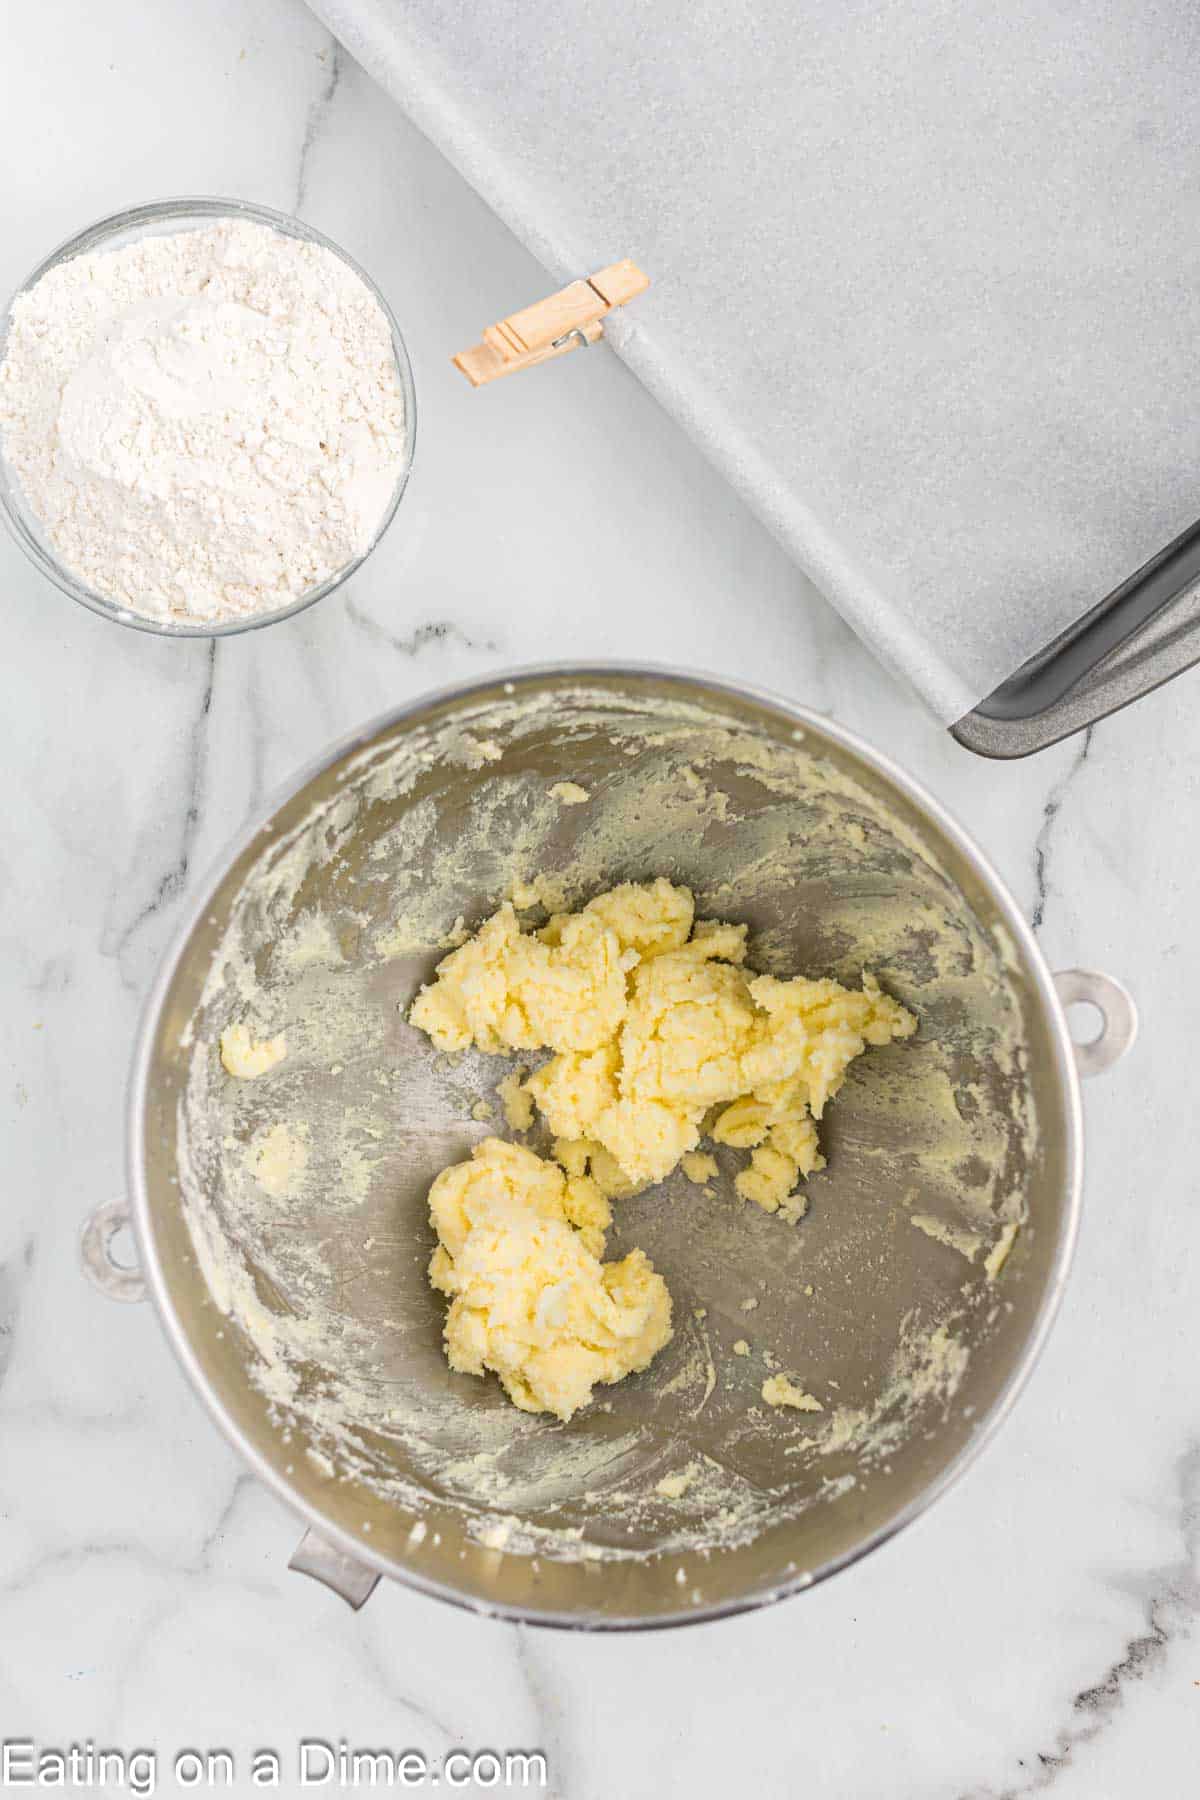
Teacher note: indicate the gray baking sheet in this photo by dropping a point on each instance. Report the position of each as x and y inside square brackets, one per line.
[926, 276]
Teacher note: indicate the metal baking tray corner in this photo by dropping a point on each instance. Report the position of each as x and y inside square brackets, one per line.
[1142, 634]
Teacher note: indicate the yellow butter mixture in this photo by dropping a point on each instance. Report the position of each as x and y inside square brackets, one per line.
[659, 1036]
[519, 1248]
[247, 1057]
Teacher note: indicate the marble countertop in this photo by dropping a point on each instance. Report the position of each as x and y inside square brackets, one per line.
[1036, 1630]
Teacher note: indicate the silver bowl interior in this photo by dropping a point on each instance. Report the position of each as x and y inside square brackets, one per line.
[283, 1221]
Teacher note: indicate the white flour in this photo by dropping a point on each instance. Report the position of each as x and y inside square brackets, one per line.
[205, 424]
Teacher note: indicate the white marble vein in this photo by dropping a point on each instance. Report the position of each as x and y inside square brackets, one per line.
[1037, 1631]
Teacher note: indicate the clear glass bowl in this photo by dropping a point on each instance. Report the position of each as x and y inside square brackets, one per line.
[159, 218]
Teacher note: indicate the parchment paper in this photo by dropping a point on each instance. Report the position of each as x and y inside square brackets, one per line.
[926, 274]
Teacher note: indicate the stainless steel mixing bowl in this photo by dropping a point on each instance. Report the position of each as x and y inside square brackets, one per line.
[916, 1339]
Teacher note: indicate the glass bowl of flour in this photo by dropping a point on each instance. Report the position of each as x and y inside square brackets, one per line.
[207, 417]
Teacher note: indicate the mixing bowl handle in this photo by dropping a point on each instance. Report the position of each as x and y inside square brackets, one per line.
[318, 1558]
[123, 1281]
[1118, 1015]
[116, 1280]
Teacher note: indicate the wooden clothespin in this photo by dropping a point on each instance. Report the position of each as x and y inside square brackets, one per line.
[568, 320]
